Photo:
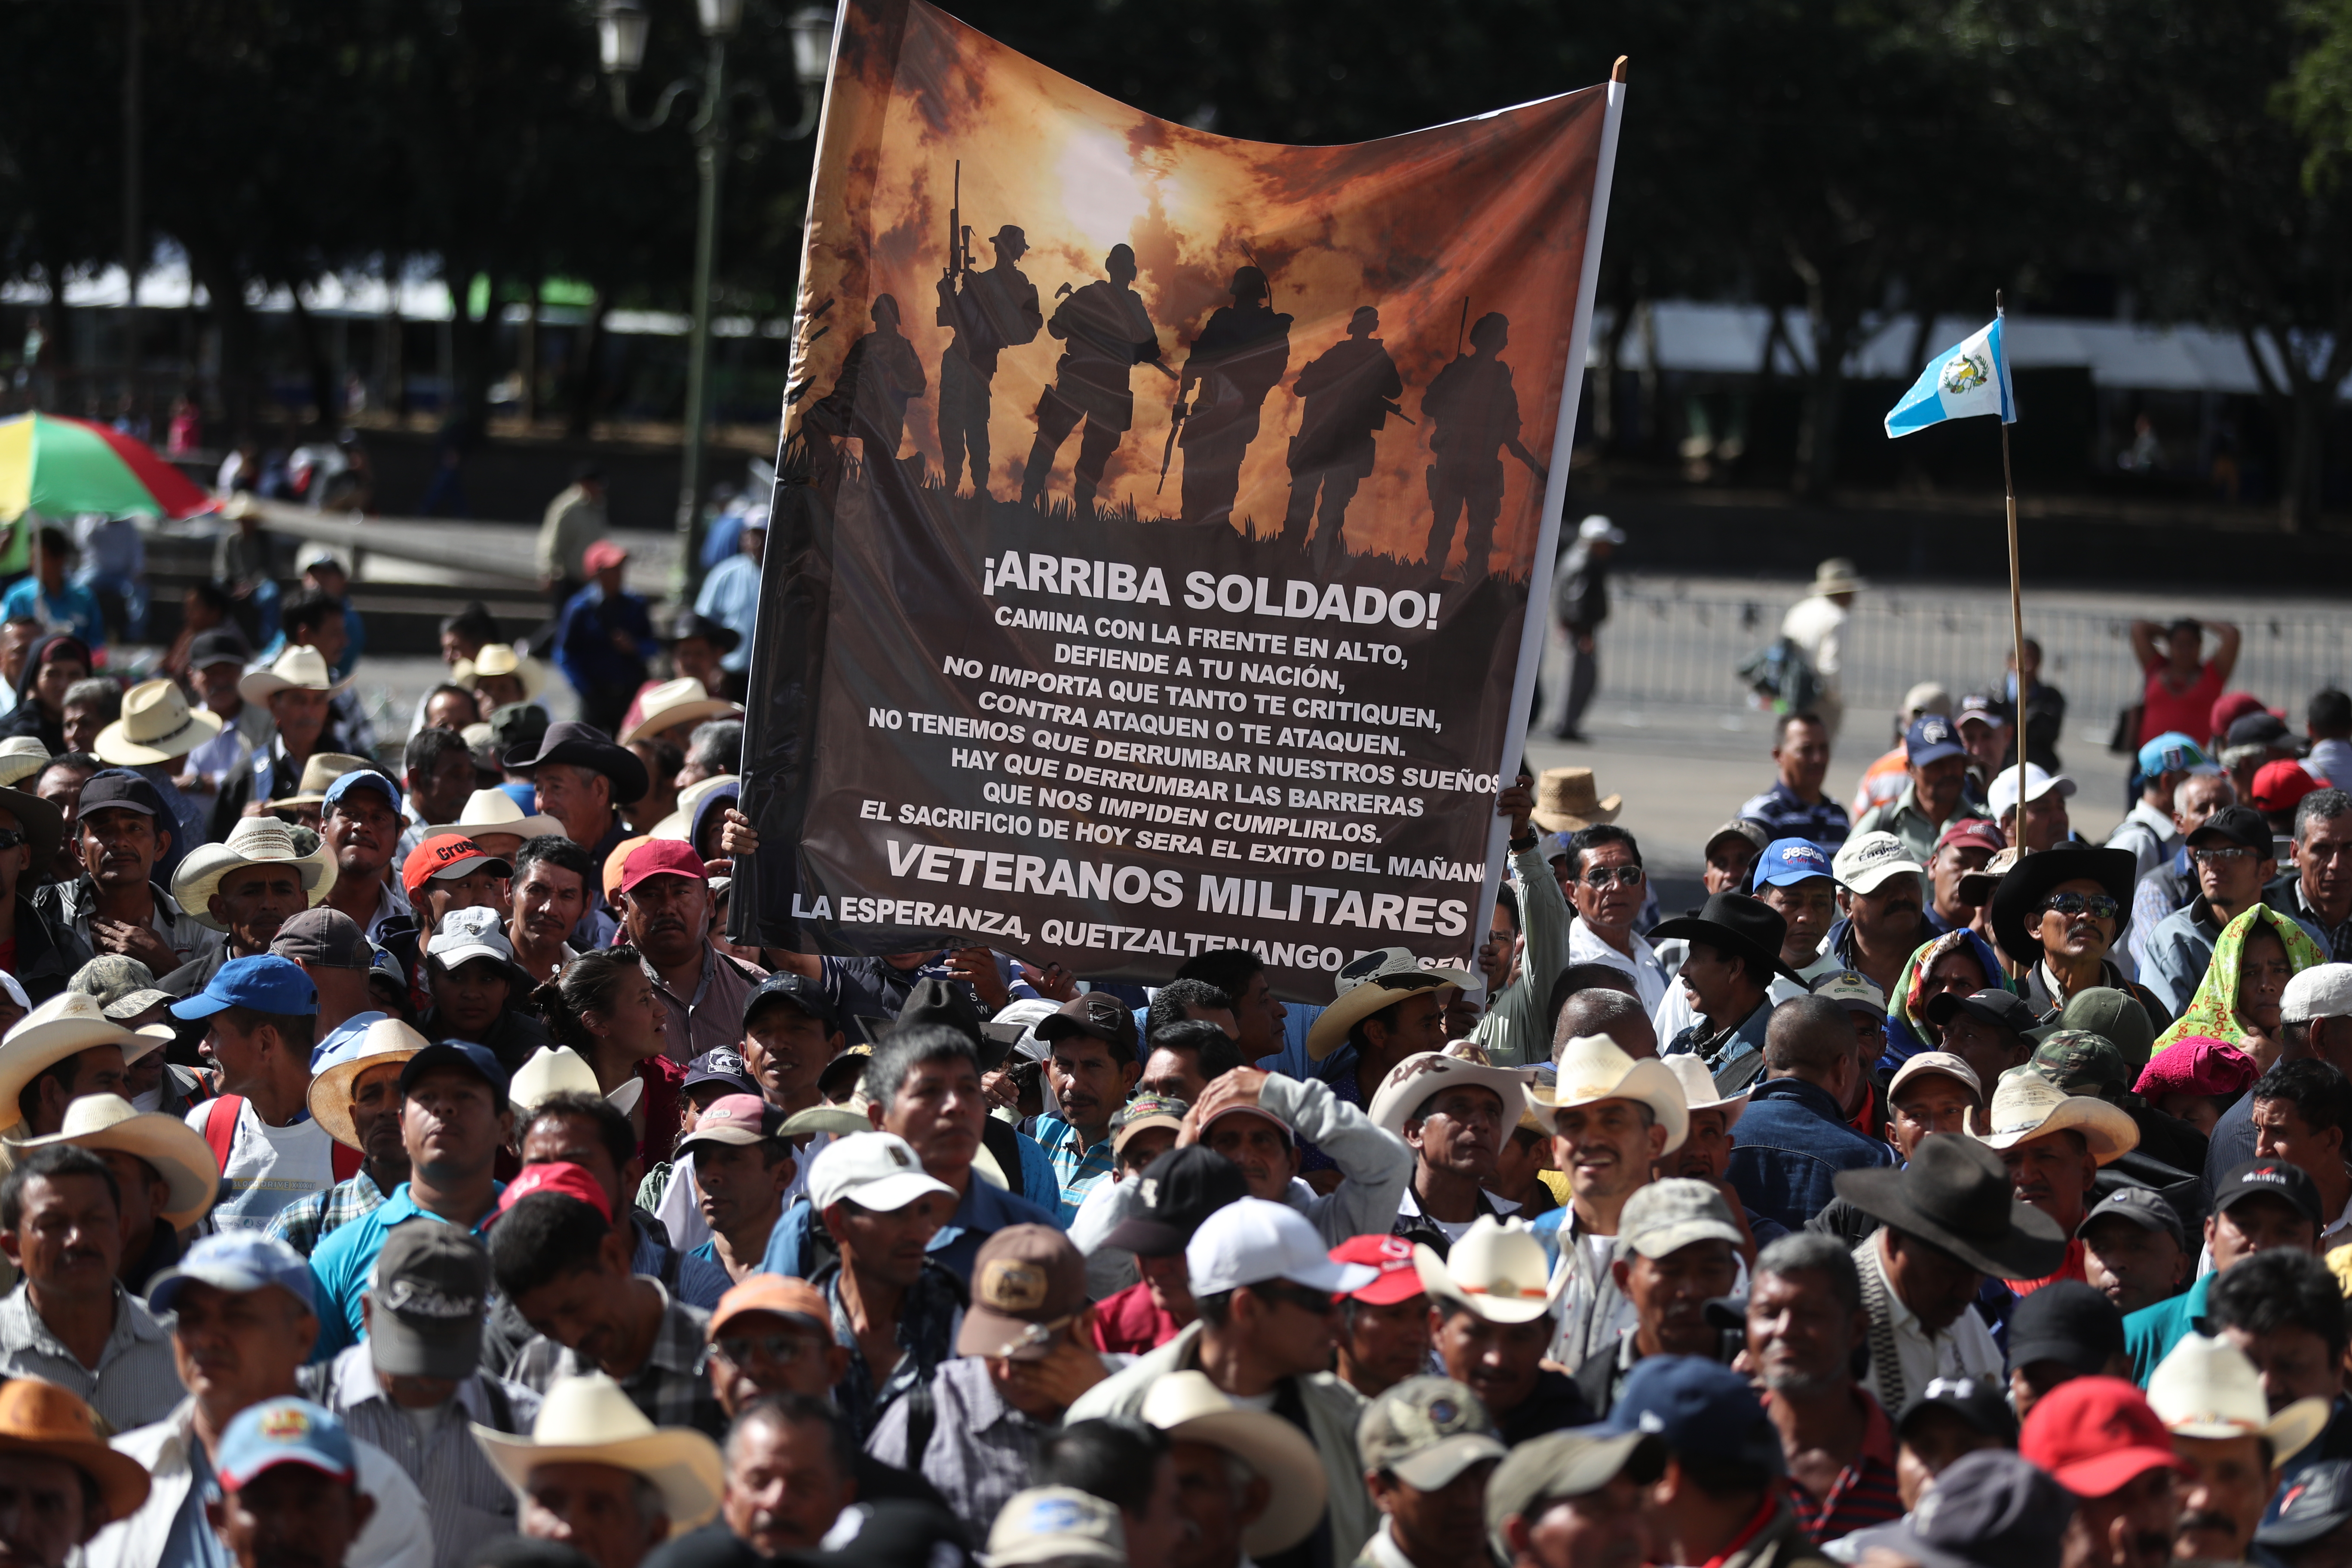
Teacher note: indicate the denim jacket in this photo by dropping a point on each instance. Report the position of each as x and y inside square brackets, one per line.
[1791, 1142]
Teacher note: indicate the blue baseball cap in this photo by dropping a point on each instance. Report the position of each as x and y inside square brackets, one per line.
[267, 983]
[366, 778]
[479, 1061]
[1698, 1406]
[1931, 739]
[261, 1438]
[1787, 861]
[2174, 753]
[237, 1261]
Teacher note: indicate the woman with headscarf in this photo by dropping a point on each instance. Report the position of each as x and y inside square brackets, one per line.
[2236, 1002]
[52, 665]
[1959, 961]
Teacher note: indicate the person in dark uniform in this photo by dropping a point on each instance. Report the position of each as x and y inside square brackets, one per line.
[1238, 358]
[1475, 412]
[1350, 393]
[878, 376]
[1107, 333]
[991, 311]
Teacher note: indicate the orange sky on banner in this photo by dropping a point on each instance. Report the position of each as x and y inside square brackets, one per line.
[1493, 208]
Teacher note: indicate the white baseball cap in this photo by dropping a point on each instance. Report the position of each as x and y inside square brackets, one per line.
[1868, 860]
[1251, 1241]
[1851, 988]
[2323, 991]
[873, 1170]
[469, 933]
[2002, 796]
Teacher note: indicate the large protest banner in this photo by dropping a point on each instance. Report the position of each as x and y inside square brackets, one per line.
[1156, 520]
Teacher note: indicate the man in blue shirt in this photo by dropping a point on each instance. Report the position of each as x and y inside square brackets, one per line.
[2262, 1205]
[604, 639]
[1796, 807]
[730, 594]
[1794, 1137]
[46, 597]
[454, 1120]
[1094, 1067]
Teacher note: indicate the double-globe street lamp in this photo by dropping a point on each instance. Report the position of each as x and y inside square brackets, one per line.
[621, 29]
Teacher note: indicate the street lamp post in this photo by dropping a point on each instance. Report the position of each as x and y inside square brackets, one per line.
[621, 29]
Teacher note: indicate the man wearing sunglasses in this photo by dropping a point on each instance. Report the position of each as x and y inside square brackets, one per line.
[2231, 858]
[1608, 887]
[2057, 913]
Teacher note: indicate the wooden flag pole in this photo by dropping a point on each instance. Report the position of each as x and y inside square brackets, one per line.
[2016, 611]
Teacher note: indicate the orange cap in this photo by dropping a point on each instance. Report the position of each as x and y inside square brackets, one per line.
[613, 862]
[772, 1293]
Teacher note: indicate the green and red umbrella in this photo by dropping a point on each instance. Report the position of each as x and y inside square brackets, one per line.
[60, 467]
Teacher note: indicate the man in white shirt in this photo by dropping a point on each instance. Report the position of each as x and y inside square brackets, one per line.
[1453, 1115]
[1947, 1219]
[1608, 886]
[1816, 624]
[261, 1017]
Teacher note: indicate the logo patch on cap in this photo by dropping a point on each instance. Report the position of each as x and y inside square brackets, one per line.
[1010, 1285]
[287, 1424]
[1443, 1411]
[425, 1302]
[1149, 1192]
[898, 1155]
[1053, 1515]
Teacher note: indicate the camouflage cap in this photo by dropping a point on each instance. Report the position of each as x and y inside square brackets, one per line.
[517, 727]
[1666, 1216]
[1146, 1110]
[2081, 1062]
[2112, 1014]
[123, 987]
[1569, 1464]
[1426, 1431]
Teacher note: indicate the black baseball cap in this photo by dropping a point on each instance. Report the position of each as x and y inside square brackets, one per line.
[2068, 1322]
[2316, 1500]
[1175, 1194]
[2259, 728]
[2270, 1178]
[800, 990]
[1991, 1510]
[2001, 1009]
[119, 789]
[2144, 1209]
[1098, 1014]
[479, 1061]
[1982, 1401]
[721, 1064]
[218, 646]
[2241, 825]
[429, 1290]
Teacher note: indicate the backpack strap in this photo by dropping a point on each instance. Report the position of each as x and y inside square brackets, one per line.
[220, 1126]
[922, 1416]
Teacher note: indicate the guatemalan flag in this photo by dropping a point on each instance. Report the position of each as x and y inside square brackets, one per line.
[1971, 377]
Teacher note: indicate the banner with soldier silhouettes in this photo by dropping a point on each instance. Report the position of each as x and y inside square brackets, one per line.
[1156, 516]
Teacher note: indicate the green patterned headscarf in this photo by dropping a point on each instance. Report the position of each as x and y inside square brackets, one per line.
[2212, 1011]
[1907, 1032]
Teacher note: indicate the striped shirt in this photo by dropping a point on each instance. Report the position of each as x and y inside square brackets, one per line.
[1823, 821]
[670, 1387]
[1864, 1493]
[1078, 1170]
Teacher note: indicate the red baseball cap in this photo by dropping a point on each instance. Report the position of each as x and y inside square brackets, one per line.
[2096, 1435]
[1974, 831]
[446, 855]
[1398, 1280]
[601, 554]
[2279, 786]
[561, 1177]
[661, 857]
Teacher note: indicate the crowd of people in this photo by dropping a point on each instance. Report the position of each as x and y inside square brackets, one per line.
[405, 1169]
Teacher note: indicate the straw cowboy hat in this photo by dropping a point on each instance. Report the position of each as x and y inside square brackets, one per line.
[2026, 1105]
[2208, 1388]
[1411, 1082]
[1836, 576]
[1496, 1270]
[674, 702]
[44, 1420]
[65, 1023]
[559, 1069]
[1371, 983]
[176, 1151]
[22, 756]
[494, 811]
[43, 825]
[591, 1421]
[500, 659]
[1592, 1068]
[387, 1042]
[1190, 1409]
[296, 669]
[321, 770]
[254, 841]
[157, 725]
[1699, 1091]
[1568, 800]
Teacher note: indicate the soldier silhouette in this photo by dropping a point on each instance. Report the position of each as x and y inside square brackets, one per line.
[1349, 395]
[868, 399]
[1238, 358]
[989, 311]
[1475, 412]
[1107, 333]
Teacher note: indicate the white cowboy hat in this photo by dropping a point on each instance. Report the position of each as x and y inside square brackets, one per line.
[296, 669]
[321, 768]
[22, 756]
[1413, 1081]
[591, 1421]
[500, 659]
[1190, 1409]
[1371, 982]
[65, 1023]
[494, 811]
[176, 1151]
[2027, 1105]
[1498, 1270]
[1591, 1069]
[685, 700]
[559, 1069]
[1699, 1092]
[157, 725]
[679, 824]
[2208, 1388]
[1835, 575]
[254, 841]
[387, 1042]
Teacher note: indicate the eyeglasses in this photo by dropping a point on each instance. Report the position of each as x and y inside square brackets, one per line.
[2098, 906]
[1322, 1304]
[779, 1350]
[2221, 856]
[1623, 876]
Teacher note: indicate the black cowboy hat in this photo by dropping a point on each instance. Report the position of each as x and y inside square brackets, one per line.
[43, 824]
[1733, 923]
[2029, 881]
[1954, 1194]
[586, 746]
[934, 1001]
[687, 624]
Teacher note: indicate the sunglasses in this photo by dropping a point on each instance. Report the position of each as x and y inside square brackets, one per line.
[778, 1350]
[2098, 906]
[10, 838]
[1322, 1304]
[1623, 876]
